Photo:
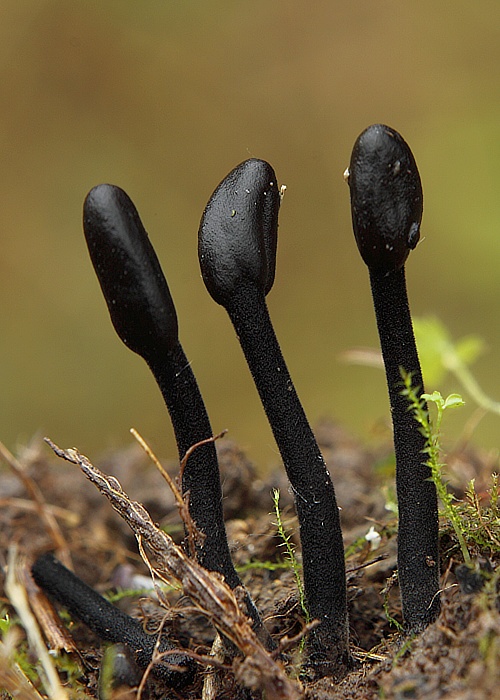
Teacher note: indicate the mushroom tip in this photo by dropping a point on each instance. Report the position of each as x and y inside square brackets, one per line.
[260, 171]
[378, 136]
[131, 279]
[101, 196]
[104, 189]
[238, 231]
[386, 198]
[103, 204]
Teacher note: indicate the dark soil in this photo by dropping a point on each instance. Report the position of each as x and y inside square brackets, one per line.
[457, 657]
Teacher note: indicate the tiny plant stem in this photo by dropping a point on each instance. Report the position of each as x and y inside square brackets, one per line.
[109, 623]
[315, 502]
[290, 553]
[418, 555]
[431, 435]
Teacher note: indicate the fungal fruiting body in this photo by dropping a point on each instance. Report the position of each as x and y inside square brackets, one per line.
[176, 668]
[237, 245]
[387, 205]
[144, 317]
[237, 252]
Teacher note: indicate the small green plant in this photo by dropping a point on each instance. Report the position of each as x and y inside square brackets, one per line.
[13, 639]
[290, 553]
[433, 449]
[439, 355]
[494, 495]
[5, 623]
[385, 592]
[26, 678]
[482, 521]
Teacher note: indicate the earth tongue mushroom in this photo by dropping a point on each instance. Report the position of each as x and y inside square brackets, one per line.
[144, 317]
[111, 624]
[387, 205]
[237, 252]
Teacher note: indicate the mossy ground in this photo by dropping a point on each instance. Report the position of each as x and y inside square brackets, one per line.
[457, 657]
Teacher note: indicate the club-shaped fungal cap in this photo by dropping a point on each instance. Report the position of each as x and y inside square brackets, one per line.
[131, 279]
[386, 198]
[238, 231]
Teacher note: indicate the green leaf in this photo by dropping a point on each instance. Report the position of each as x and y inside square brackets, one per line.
[5, 624]
[453, 401]
[435, 397]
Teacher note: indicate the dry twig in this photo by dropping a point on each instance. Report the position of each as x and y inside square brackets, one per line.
[258, 670]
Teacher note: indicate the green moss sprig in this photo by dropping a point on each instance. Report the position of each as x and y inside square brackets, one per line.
[481, 520]
[287, 544]
[433, 449]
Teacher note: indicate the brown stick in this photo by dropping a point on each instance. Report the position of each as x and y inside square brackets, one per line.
[258, 670]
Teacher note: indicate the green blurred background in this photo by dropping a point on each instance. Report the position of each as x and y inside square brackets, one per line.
[164, 98]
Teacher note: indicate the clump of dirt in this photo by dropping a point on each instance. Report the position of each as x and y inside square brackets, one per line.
[457, 657]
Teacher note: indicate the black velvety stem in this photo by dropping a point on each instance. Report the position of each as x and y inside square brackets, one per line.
[111, 624]
[201, 477]
[237, 243]
[318, 514]
[387, 206]
[418, 555]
